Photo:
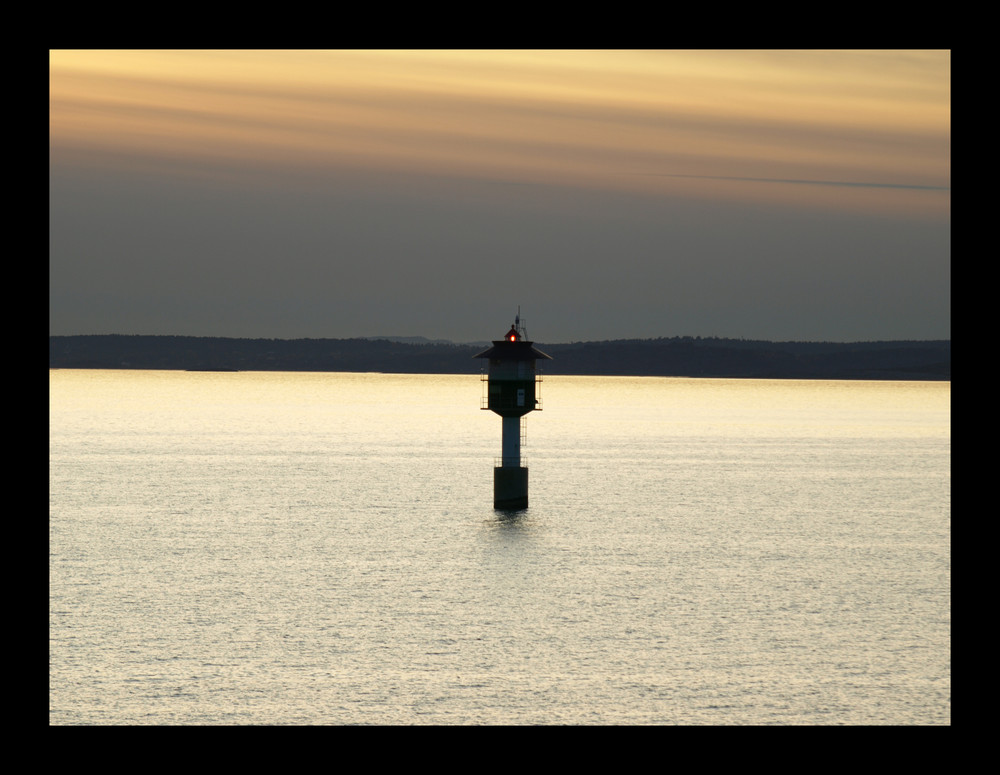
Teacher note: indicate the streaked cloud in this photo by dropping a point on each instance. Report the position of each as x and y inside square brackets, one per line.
[846, 183]
[584, 118]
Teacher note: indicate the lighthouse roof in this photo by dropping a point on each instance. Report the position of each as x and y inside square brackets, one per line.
[505, 350]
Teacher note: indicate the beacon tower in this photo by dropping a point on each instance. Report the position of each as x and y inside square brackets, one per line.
[511, 385]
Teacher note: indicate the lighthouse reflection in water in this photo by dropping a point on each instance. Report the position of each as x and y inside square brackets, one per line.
[512, 390]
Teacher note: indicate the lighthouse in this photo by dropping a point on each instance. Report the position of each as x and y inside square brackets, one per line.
[512, 389]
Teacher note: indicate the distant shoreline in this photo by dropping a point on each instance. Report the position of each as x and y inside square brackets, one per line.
[665, 357]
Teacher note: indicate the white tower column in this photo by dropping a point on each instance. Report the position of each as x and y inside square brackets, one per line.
[511, 446]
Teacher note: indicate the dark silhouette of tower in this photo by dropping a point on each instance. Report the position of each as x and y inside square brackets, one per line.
[512, 390]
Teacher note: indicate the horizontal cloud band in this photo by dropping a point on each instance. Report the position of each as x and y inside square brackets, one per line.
[849, 183]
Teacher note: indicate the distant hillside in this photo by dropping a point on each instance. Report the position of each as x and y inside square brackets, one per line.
[665, 357]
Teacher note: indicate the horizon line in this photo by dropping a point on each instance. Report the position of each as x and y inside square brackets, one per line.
[478, 342]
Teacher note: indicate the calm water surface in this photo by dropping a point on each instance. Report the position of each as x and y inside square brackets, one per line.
[318, 548]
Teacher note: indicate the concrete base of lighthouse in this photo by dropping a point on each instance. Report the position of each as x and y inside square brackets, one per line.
[510, 488]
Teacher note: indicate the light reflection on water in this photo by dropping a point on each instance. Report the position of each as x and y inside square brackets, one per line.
[278, 548]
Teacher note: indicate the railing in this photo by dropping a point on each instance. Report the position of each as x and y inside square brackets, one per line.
[505, 462]
[510, 403]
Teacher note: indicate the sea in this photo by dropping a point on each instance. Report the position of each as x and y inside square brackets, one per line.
[320, 549]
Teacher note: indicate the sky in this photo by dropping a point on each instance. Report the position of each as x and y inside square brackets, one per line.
[780, 195]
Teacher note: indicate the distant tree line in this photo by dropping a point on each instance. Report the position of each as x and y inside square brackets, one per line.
[682, 356]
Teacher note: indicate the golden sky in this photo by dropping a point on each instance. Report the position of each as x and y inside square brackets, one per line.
[825, 126]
